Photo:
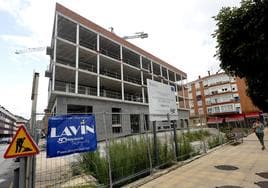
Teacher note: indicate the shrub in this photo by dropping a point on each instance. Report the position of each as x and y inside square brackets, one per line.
[214, 141]
[185, 148]
[196, 135]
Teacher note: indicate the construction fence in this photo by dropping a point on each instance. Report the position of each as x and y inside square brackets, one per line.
[130, 147]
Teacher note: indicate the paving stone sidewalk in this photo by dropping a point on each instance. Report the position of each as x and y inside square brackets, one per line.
[244, 165]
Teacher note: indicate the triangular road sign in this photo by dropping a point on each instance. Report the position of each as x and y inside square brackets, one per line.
[21, 145]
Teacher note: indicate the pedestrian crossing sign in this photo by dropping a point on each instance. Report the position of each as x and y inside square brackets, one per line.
[21, 145]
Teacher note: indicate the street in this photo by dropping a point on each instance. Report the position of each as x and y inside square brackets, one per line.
[7, 167]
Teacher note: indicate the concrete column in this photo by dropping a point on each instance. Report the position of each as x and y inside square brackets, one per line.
[152, 70]
[98, 65]
[183, 95]
[77, 58]
[54, 51]
[122, 73]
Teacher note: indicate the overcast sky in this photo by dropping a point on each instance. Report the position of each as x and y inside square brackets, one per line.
[179, 33]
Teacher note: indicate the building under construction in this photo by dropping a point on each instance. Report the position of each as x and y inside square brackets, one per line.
[93, 70]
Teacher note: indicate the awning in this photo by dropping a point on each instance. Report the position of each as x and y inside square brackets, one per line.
[252, 115]
[234, 118]
[214, 120]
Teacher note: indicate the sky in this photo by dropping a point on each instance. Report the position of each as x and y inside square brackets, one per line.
[179, 33]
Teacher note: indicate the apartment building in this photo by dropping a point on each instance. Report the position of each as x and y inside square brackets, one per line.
[7, 123]
[220, 99]
[93, 70]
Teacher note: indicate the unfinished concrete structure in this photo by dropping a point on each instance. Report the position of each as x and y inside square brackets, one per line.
[93, 70]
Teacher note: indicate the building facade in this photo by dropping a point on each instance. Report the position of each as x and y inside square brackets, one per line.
[7, 123]
[219, 99]
[93, 70]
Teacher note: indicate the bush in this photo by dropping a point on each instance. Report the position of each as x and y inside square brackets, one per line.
[185, 148]
[128, 157]
[196, 135]
[214, 141]
[95, 165]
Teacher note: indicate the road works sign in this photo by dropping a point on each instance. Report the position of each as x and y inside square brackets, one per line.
[21, 145]
[71, 134]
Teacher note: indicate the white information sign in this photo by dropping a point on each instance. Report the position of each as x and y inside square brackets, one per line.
[162, 101]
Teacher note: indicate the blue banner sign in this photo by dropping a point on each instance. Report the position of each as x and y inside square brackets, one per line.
[71, 134]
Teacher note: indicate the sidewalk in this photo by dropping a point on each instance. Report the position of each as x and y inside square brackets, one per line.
[247, 157]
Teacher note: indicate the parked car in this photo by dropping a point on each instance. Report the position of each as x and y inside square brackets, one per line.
[6, 140]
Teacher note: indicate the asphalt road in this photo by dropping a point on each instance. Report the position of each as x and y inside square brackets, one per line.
[6, 168]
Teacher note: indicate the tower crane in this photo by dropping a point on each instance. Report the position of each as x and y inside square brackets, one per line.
[27, 50]
[141, 35]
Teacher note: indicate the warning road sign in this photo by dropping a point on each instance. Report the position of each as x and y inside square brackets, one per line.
[21, 145]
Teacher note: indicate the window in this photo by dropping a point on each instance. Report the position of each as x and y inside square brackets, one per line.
[116, 120]
[217, 109]
[236, 99]
[135, 123]
[198, 98]
[116, 116]
[79, 109]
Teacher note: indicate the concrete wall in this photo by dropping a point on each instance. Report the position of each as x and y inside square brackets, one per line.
[99, 108]
[103, 109]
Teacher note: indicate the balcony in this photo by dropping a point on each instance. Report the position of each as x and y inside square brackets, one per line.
[110, 94]
[110, 68]
[109, 48]
[132, 75]
[131, 58]
[87, 84]
[64, 87]
[85, 90]
[65, 53]
[87, 38]
[110, 88]
[110, 73]
[146, 64]
[64, 79]
[66, 29]
[133, 97]
[132, 79]
[87, 60]
[132, 93]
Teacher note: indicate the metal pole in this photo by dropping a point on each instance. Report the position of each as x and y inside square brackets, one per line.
[30, 172]
[22, 176]
[155, 144]
[203, 138]
[174, 137]
[107, 147]
[218, 127]
[148, 144]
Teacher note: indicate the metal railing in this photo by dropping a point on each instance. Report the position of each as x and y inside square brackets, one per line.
[87, 66]
[110, 94]
[110, 53]
[132, 79]
[133, 97]
[110, 73]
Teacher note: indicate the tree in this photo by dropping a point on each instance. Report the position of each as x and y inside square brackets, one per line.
[242, 46]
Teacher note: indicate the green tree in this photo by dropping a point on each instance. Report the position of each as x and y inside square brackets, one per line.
[242, 46]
